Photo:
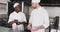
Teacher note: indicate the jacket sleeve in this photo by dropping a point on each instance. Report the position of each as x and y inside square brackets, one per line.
[31, 18]
[10, 18]
[24, 18]
[46, 20]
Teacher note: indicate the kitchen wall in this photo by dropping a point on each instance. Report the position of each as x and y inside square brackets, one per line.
[4, 0]
[3, 8]
[53, 11]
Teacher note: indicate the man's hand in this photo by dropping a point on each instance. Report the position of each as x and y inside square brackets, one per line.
[29, 27]
[37, 28]
[11, 22]
[18, 23]
[34, 29]
[23, 22]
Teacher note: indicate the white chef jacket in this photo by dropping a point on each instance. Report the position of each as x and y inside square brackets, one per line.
[20, 16]
[39, 17]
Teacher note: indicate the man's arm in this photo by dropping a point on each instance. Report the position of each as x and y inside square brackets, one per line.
[37, 28]
[40, 27]
[11, 22]
[24, 19]
[46, 20]
[29, 27]
[21, 23]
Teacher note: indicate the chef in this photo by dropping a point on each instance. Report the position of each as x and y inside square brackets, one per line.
[17, 19]
[39, 19]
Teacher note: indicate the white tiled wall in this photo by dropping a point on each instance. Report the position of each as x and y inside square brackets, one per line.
[53, 11]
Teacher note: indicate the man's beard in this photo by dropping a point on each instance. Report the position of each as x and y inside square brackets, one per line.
[34, 7]
[17, 11]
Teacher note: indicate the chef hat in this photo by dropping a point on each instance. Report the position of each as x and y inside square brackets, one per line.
[15, 5]
[36, 1]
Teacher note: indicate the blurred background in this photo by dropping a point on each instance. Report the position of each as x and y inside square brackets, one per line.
[52, 7]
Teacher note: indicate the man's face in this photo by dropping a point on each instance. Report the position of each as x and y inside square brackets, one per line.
[34, 5]
[17, 8]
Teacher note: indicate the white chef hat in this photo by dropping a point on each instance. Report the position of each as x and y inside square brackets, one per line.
[36, 1]
[15, 5]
